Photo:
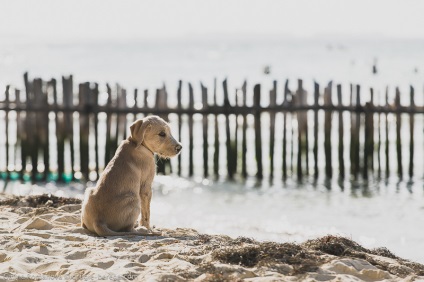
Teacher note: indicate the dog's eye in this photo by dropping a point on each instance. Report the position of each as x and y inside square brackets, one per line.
[162, 134]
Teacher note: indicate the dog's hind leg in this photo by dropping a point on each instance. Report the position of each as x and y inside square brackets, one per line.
[102, 230]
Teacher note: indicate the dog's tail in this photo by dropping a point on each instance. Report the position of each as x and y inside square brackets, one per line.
[102, 230]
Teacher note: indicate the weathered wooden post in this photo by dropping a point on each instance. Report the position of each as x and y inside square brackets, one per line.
[387, 134]
[398, 133]
[258, 135]
[190, 129]
[108, 149]
[84, 125]
[205, 130]
[216, 141]
[316, 125]
[180, 122]
[341, 133]
[161, 105]
[6, 104]
[272, 104]
[94, 98]
[327, 130]
[244, 133]
[285, 105]
[227, 108]
[411, 132]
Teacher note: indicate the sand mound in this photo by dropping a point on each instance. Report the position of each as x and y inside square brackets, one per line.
[42, 240]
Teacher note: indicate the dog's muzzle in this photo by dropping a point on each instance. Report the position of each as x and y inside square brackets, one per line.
[178, 148]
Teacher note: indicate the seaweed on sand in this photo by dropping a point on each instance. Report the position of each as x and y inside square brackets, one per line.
[268, 253]
[38, 201]
[308, 256]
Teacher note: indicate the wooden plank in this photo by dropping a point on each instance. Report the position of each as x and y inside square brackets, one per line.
[19, 132]
[190, 132]
[36, 101]
[244, 133]
[258, 132]
[341, 134]
[398, 135]
[161, 104]
[216, 141]
[6, 102]
[411, 133]
[327, 131]
[285, 102]
[355, 130]
[95, 103]
[316, 126]
[272, 103]
[387, 135]
[205, 124]
[68, 97]
[59, 126]
[298, 101]
[108, 148]
[84, 127]
[180, 122]
[228, 141]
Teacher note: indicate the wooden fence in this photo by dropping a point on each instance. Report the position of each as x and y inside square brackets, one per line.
[298, 126]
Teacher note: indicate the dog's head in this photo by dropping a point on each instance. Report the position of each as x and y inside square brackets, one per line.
[155, 134]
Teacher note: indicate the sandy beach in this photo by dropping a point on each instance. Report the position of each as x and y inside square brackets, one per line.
[41, 240]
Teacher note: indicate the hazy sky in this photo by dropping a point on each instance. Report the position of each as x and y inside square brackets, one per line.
[171, 18]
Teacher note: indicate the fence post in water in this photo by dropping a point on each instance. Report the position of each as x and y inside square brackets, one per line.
[68, 97]
[387, 134]
[205, 130]
[244, 137]
[327, 130]
[315, 149]
[161, 104]
[285, 104]
[95, 103]
[108, 153]
[180, 122]
[6, 104]
[355, 129]
[216, 141]
[369, 134]
[258, 135]
[272, 104]
[39, 130]
[411, 132]
[398, 132]
[227, 131]
[190, 129]
[341, 133]
[302, 128]
[84, 109]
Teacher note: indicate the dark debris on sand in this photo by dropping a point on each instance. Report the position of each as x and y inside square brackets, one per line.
[308, 256]
[36, 201]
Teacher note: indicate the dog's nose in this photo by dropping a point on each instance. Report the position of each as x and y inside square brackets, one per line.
[178, 148]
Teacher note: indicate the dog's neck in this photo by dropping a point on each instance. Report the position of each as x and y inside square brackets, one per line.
[141, 144]
[144, 145]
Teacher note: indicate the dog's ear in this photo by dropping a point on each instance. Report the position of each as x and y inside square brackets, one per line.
[138, 130]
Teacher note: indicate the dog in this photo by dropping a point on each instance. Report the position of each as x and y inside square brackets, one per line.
[123, 191]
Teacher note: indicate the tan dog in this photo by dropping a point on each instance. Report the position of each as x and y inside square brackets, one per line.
[124, 188]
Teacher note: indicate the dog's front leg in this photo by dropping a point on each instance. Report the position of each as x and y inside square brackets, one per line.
[146, 197]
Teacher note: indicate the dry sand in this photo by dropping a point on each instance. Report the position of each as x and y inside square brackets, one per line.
[41, 240]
